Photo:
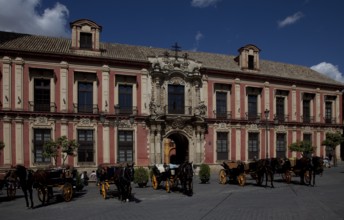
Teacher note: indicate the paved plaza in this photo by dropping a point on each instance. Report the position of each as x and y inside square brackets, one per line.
[210, 201]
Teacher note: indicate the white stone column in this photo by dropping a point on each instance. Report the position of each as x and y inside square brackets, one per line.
[238, 144]
[317, 109]
[293, 103]
[237, 99]
[7, 151]
[18, 80]
[105, 88]
[6, 83]
[106, 144]
[64, 87]
[19, 141]
[158, 145]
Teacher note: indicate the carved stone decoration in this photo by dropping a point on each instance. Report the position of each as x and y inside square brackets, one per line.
[168, 63]
[189, 130]
[201, 109]
[280, 128]
[84, 122]
[178, 123]
[42, 121]
[177, 81]
[152, 108]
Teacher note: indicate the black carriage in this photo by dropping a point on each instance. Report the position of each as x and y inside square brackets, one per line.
[233, 171]
[8, 181]
[165, 173]
[63, 180]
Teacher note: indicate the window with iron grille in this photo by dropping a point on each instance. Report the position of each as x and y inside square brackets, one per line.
[125, 97]
[281, 145]
[252, 107]
[42, 95]
[85, 40]
[85, 97]
[221, 105]
[85, 149]
[253, 146]
[328, 112]
[306, 111]
[125, 146]
[176, 99]
[40, 137]
[280, 109]
[222, 146]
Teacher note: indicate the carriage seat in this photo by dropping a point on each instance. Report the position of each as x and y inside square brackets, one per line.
[161, 168]
[173, 166]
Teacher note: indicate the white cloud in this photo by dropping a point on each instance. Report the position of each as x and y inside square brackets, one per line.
[204, 3]
[51, 22]
[198, 38]
[290, 19]
[329, 70]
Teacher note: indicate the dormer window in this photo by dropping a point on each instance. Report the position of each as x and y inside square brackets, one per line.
[85, 36]
[248, 58]
[85, 40]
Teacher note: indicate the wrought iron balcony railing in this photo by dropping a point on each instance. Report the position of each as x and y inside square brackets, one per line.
[86, 108]
[222, 114]
[178, 110]
[307, 119]
[330, 120]
[42, 107]
[125, 110]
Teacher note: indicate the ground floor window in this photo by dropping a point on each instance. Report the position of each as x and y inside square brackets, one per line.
[40, 137]
[222, 146]
[85, 149]
[281, 145]
[253, 146]
[125, 146]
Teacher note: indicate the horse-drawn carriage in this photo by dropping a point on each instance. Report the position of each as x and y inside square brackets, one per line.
[55, 179]
[233, 171]
[8, 179]
[305, 168]
[172, 175]
[119, 175]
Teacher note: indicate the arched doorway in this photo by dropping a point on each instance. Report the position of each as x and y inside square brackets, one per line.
[179, 152]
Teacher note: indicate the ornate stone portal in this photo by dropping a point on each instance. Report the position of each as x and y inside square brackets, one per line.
[186, 126]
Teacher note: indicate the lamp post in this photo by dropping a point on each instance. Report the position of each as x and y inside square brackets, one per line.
[266, 112]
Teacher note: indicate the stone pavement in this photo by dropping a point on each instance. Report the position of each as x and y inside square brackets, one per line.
[210, 201]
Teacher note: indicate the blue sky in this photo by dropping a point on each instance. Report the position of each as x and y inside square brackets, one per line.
[302, 32]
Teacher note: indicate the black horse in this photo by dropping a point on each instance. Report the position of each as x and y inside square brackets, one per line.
[264, 167]
[25, 177]
[317, 168]
[123, 176]
[185, 175]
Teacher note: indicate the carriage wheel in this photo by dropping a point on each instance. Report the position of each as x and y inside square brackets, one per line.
[223, 176]
[40, 192]
[11, 191]
[104, 189]
[167, 184]
[67, 192]
[241, 179]
[155, 182]
[307, 177]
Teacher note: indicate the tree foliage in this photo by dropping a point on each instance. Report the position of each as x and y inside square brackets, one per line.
[305, 147]
[63, 145]
[333, 139]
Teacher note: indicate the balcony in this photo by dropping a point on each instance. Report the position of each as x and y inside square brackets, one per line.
[330, 120]
[85, 108]
[125, 110]
[281, 118]
[223, 115]
[253, 117]
[178, 110]
[307, 119]
[42, 107]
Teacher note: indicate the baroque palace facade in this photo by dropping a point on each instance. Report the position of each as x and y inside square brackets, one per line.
[125, 103]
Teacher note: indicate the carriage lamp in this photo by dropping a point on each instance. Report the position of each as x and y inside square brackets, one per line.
[266, 112]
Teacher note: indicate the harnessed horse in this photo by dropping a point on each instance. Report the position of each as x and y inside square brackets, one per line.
[185, 175]
[25, 177]
[123, 176]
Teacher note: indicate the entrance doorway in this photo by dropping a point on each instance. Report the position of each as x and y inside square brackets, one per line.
[178, 151]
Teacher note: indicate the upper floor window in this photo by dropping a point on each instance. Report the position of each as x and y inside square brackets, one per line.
[176, 99]
[85, 97]
[85, 40]
[221, 105]
[328, 112]
[280, 114]
[42, 95]
[307, 107]
[252, 107]
[125, 97]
